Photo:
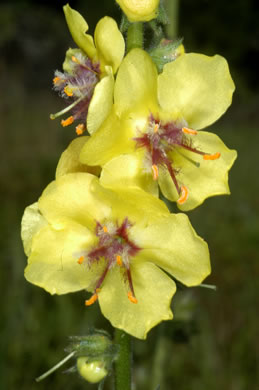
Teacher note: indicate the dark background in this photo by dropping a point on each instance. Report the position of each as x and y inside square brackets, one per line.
[213, 341]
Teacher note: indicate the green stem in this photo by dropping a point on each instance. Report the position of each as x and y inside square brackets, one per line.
[172, 8]
[135, 36]
[123, 362]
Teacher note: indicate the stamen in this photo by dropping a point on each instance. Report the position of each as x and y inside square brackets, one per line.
[214, 156]
[68, 91]
[80, 129]
[91, 300]
[80, 260]
[156, 127]
[184, 195]
[155, 171]
[74, 59]
[105, 229]
[132, 298]
[119, 260]
[189, 131]
[67, 121]
[56, 80]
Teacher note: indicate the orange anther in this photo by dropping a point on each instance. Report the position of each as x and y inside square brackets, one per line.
[214, 156]
[74, 59]
[184, 195]
[132, 298]
[80, 260]
[189, 131]
[155, 171]
[119, 260]
[56, 80]
[67, 121]
[68, 91]
[156, 127]
[105, 229]
[80, 129]
[91, 300]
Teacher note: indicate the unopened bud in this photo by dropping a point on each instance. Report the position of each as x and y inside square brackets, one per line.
[139, 10]
[93, 372]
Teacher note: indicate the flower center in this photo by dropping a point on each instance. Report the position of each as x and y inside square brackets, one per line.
[77, 87]
[160, 140]
[115, 247]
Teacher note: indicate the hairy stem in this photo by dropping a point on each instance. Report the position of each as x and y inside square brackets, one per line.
[123, 363]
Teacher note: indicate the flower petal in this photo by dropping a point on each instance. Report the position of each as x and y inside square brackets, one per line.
[154, 291]
[173, 245]
[127, 171]
[113, 138]
[197, 88]
[101, 102]
[138, 75]
[69, 160]
[32, 222]
[78, 28]
[53, 264]
[210, 179]
[109, 43]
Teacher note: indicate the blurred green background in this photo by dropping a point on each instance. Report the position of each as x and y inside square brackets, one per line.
[213, 341]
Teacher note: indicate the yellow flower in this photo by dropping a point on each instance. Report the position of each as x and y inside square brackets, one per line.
[139, 10]
[115, 244]
[151, 133]
[87, 80]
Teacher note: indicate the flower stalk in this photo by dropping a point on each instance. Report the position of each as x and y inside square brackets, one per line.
[135, 36]
[123, 363]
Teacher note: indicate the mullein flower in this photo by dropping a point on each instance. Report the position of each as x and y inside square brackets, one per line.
[139, 10]
[87, 81]
[155, 128]
[113, 243]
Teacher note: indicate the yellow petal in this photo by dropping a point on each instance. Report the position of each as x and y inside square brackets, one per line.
[78, 28]
[173, 245]
[197, 88]
[154, 291]
[101, 102]
[136, 84]
[139, 10]
[210, 179]
[109, 43]
[113, 138]
[69, 160]
[32, 222]
[53, 264]
[127, 171]
[75, 197]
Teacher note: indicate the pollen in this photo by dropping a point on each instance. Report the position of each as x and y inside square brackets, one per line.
[132, 298]
[214, 156]
[119, 260]
[80, 260]
[184, 195]
[156, 127]
[186, 130]
[91, 300]
[80, 129]
[105, 229]
[68, 91]
[74, 59]
[56, 80]
[155, 171]
[67, 121]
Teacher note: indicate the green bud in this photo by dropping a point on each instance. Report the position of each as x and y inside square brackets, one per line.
[166, 51]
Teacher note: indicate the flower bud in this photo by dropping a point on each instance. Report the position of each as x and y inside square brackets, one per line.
[93, 372]
[166, 51]
[139, 10]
